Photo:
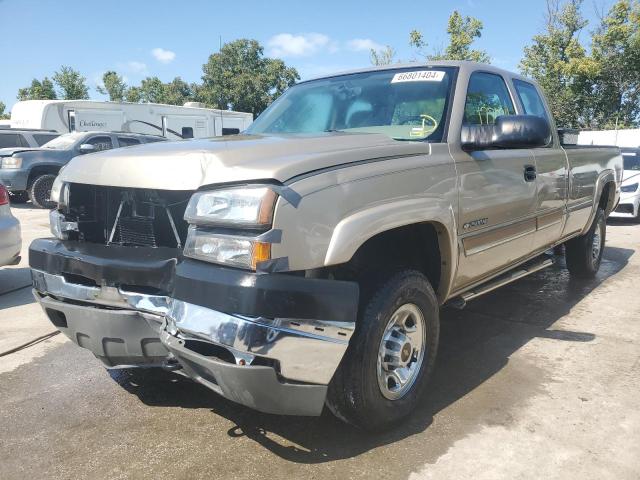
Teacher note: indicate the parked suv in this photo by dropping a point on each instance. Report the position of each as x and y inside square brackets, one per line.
[28, 173]
[25, 138]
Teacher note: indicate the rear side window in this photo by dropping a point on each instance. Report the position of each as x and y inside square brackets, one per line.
[101, 143]
[10, 140]
[487, 99]
[530, 99]
[42, 138]
[128, 141]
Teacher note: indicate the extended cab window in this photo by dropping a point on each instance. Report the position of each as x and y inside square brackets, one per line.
[530, 99]
[128, 141]
[405, 104]
[101, 143]
[487, 99]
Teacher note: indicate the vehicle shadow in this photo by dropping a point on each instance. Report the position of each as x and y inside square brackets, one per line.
[476, 344]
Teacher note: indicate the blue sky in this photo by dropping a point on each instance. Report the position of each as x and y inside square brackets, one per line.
[168, 39]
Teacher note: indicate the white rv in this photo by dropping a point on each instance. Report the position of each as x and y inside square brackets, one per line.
[171, 121]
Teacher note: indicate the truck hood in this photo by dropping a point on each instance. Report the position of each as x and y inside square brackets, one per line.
[7, 152]
[188, 165]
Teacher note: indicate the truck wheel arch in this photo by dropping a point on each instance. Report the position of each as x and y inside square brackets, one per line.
[604, 195]
[42, 169]
[353, 233]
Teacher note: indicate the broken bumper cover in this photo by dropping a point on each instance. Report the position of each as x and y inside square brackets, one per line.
[276, 351]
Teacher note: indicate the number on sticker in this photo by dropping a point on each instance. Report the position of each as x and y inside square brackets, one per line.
[418, 76]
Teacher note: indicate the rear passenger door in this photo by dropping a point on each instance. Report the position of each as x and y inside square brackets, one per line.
[552, 179]
[497, 201]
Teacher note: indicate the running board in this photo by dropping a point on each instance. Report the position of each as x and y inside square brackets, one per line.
[515, 274]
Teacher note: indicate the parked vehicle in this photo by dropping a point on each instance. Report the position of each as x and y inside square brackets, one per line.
[629, 206]
[29, 173]
[10, 239]
[305, 263]
[25, 138]
[171, 121]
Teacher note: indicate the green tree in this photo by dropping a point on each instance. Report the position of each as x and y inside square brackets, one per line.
[616, 51]
[152, 90]
[133, 94]
[38, 90]
[560, 64]
[72, 85]
[240, 77]
[177, 92]
[462, 31]
[3, 116]
[383, 56]
[112, 85]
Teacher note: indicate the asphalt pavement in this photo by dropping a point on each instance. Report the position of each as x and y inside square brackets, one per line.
[539, 379]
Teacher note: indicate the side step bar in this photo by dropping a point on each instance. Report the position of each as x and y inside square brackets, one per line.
[515, 274]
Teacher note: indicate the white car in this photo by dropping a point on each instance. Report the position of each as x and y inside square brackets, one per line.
[10, 239]
[629, 206]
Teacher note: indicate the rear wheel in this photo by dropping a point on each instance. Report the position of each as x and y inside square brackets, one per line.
[584, 253]
[40, 191]
[391, 355]
[21, 196]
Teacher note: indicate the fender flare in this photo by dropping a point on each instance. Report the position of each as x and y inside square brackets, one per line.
[354, 230]
[606, 176]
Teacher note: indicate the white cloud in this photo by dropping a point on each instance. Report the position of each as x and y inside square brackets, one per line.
[134, 67]
[363, 44]
[163, 56]
[303, 45]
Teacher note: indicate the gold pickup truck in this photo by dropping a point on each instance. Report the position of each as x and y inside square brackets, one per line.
[303, 263]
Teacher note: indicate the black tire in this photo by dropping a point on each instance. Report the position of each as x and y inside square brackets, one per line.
[355, 395]
[21, 196]
[40, 191]
[583, 254]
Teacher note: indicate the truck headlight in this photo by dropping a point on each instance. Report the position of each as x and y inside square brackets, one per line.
[11, 162]
[224, 222]
[629, 188]
[232, 250]
[244, 206]
[60, 192]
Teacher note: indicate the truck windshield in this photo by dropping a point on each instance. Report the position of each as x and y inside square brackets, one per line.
[405, 104]
[63, 142]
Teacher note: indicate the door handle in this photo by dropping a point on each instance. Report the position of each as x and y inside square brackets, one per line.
[530, 173]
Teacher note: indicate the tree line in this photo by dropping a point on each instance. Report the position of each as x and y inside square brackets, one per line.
[596, 87]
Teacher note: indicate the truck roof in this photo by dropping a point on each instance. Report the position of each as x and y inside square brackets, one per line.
[463, 65]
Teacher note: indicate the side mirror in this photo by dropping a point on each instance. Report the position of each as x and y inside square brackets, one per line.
[87, 148]
[509, 131]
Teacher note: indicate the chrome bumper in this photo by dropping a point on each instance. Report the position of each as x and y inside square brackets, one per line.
[278, 366]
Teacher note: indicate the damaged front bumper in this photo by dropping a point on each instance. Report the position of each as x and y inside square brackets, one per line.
[271, 342]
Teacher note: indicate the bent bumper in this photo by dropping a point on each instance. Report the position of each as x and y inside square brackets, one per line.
[280, 361]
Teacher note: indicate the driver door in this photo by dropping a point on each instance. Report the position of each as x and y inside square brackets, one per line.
[497, 198]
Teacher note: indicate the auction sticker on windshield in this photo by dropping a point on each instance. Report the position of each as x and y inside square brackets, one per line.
[418, 76]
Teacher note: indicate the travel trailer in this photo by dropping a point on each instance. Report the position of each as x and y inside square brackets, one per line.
[171, 121]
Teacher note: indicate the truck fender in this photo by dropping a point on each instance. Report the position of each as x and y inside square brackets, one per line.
[354, 230]
[605, 177]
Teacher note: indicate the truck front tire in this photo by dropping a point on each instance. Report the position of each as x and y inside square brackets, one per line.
[583, 254]
[40, 191]
[391, 354]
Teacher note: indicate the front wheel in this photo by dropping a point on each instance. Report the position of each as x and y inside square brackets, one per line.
[583, 254]
[40, 191]
[390, 356]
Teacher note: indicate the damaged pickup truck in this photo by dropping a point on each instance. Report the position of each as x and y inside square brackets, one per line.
[304, 262]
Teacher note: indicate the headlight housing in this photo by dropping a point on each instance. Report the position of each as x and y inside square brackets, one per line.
[225, 225]
[629, 188]
[11, 162]
[60, 192]
[232, 250]
[249, 206]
